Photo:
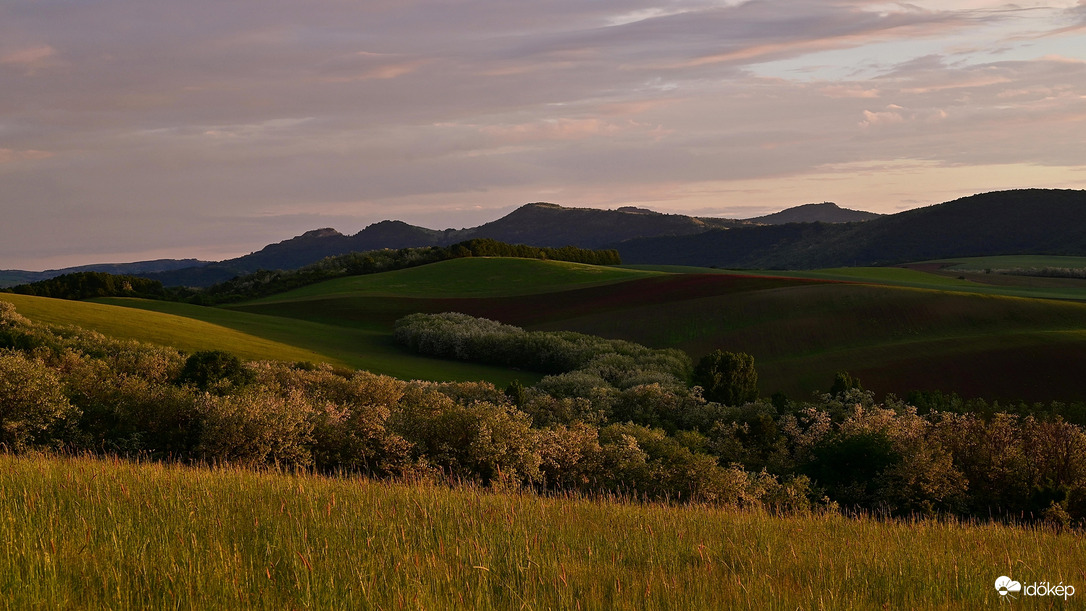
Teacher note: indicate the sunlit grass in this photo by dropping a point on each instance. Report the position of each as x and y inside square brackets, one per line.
[181, 332]
[81, 532]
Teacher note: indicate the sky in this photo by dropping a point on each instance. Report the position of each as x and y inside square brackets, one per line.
[142, 129]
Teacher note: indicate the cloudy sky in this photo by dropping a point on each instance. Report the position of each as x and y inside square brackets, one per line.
[137, 129]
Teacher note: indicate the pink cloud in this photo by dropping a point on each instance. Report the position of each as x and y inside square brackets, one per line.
[550, 130]
[30, 59]
[848, 91]
[11, 155]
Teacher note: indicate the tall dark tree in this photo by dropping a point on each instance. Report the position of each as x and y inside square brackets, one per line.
[844, 381]
[214, 370]
[727, 377]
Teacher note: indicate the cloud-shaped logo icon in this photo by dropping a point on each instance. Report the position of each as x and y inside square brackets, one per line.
[1004, 585]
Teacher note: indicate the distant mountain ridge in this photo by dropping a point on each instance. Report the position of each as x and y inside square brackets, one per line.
[138, 268]
[1026, 221]
[535, 224]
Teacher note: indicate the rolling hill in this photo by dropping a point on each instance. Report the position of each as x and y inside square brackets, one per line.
[812, 236]
[185, 333]
[1030, 221]
[537, 224]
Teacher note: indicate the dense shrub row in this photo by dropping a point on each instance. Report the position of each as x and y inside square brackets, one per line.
[1043, 272]
[463, 337]
[76, 389]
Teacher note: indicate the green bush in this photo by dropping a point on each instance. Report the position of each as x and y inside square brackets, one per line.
[214, 371]
[255, 427]
[33, 406]
[482, 441]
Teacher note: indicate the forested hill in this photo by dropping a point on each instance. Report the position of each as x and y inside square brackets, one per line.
[539, 224]
[1026, 221]
[544, 224]
[826, 212]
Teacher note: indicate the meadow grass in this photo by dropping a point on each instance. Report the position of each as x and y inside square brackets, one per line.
[468, 277]
[93, 533]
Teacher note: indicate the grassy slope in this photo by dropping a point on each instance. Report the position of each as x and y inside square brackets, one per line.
[350, 319]
[182, 332]
[105, 534]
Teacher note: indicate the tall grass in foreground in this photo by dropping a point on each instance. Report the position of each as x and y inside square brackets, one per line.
[83, 532]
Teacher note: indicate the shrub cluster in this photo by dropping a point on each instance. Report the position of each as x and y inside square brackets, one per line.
[460, 336]
[949, 456]
[1042, 272]
[592, 430]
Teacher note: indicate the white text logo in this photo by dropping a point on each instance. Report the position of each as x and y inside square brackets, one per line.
[1008, 587]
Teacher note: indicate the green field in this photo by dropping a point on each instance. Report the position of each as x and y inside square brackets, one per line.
[89, 533]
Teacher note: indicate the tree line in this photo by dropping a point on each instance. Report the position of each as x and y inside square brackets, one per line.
[89, 285]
